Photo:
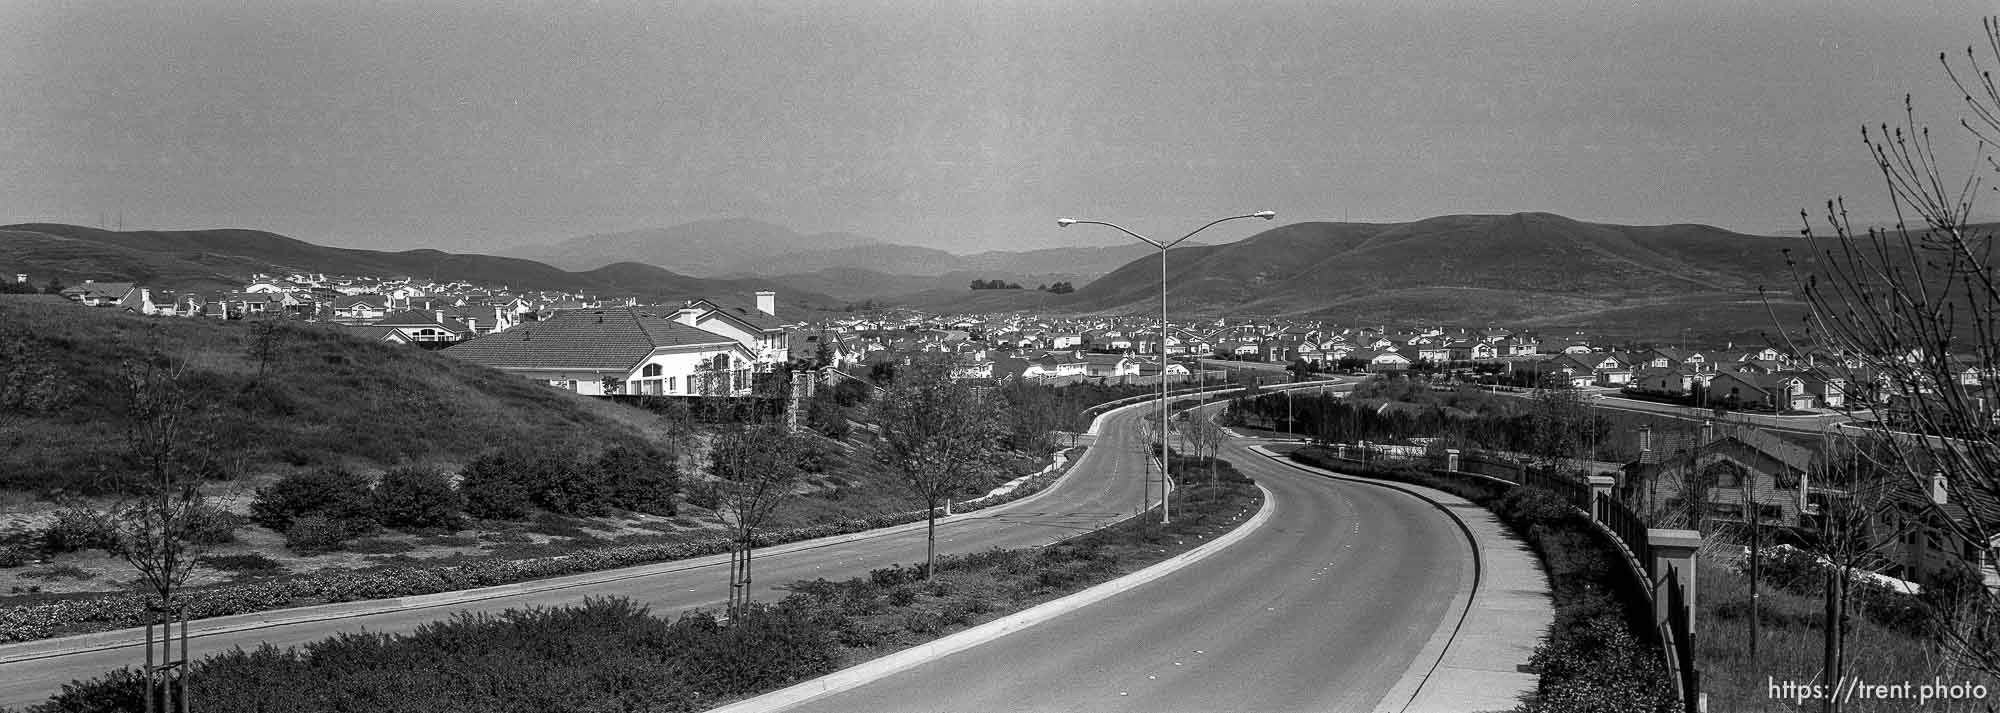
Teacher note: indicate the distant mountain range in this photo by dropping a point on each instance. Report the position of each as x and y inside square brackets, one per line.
[709, 248]
[1524, 269]
[222, 259]
[840, 264]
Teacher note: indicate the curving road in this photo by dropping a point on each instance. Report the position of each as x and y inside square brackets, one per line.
[1103, 487]
[1326, 608]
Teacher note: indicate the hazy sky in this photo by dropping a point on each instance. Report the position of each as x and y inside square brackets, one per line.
[965, 125]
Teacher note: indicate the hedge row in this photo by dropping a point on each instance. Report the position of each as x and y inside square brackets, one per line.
[42, 620]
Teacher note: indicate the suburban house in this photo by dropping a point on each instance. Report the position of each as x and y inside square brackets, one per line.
[481, 319]
[359, 309]
[1777, 391]
[809, 345]
[99, 294]
[1110, 365]
[758, 330]
[1925, 544]
[971, 366]
[427, 327]
[617, 350]
[1738, 474]
[1671, 381]
[1385, 361]
[1056, 364]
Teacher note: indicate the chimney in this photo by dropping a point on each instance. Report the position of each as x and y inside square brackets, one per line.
[439, 314]
[1940, 488]
[767, 302]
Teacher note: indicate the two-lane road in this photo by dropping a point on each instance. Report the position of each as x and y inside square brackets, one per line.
[1104, 487]
[1325, 608]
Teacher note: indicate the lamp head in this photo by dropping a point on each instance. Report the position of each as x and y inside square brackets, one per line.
[1267, 215]
[1065, 222]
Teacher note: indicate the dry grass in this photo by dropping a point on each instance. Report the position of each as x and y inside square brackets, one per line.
[1790, 648]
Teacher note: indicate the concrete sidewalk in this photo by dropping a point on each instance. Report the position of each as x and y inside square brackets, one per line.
[1479, 661]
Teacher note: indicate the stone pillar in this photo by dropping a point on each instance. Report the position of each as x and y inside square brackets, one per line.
[1600, 487]
[1675, 548]
[1451, 459]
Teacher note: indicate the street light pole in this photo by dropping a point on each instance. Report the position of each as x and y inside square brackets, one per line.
[1165, 481]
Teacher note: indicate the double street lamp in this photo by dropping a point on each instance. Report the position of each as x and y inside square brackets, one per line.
[1163, 247]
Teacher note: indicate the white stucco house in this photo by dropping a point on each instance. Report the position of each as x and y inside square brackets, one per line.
[617, 350]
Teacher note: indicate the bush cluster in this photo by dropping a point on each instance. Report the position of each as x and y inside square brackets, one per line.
[40, 620]
[506, 483]
[607, 654]
[332, 496]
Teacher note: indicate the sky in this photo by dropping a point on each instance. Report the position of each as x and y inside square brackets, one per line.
[473, 125]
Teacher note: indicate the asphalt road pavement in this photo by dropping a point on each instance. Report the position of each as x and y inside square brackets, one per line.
[1326, 608]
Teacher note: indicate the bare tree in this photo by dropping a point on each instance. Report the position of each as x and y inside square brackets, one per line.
[1908, 316]
[939, 435]
[265, 344]
[1205, 438]
[1856, 528]
[756, 468]
[171, 448]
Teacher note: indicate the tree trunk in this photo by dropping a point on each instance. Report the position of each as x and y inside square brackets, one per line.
[930, 538]
[1831, 677]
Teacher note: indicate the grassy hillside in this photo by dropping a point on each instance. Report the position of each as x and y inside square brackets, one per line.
[327, 397]
[1526, 267]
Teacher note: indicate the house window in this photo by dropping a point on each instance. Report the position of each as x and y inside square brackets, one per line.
[1727, 511]
[1726, 475]
[673, 384]
[1770, 513]
[650, 370]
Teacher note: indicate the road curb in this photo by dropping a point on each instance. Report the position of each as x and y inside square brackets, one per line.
[39, 649]
[869, 671]
[1404, 693]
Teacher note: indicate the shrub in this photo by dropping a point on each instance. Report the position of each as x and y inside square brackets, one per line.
[640, 480]
[57, 571]
[569, 487]
[78, 528]
[244, 564]
[210, 525]
[313, 534]
[825, 416]
[1599, 666]
[496, 485]
[416, 497]
[335, 494]
[706, 495]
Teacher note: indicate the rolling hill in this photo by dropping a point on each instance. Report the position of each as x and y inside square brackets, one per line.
[708, 248]
[220, 259]
[1525, 268]
[1071, 264]
[330, 397]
